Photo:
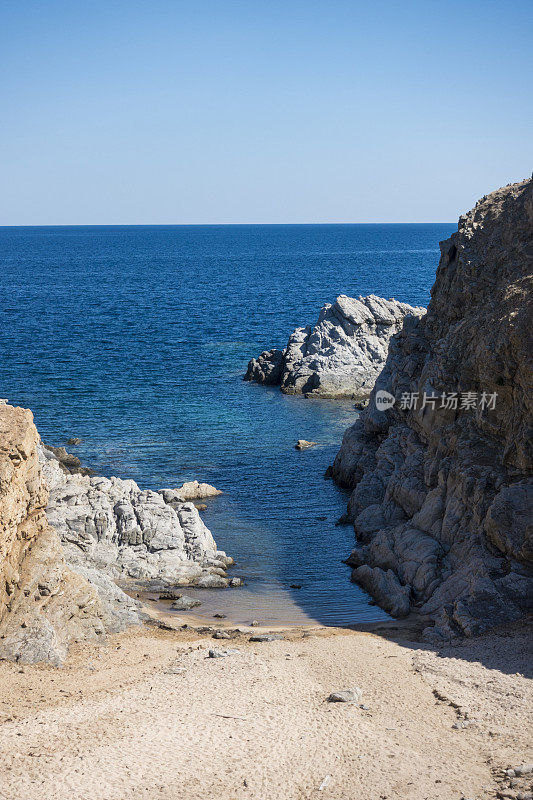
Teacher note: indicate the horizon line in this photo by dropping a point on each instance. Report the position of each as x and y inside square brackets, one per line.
[208, 224]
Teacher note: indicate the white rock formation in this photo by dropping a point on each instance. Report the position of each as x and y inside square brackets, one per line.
[112, 525]
[342, 355]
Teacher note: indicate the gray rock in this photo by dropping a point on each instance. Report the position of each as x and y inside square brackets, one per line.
[267, 368]
[353, 695]
[442, 497]
[341, 356]
[222, 653]
[170, 594]
[266, 637]
[185, 603]
[221, 635]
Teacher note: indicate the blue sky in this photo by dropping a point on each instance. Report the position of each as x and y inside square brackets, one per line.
[236, 111]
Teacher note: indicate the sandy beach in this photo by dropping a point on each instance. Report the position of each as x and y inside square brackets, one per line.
[151, 715]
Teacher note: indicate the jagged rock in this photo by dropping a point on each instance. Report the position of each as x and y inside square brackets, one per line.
[341, 356]
[267, 368]
[112, 525]
[442, 496]
[67, 462]
[44, 604]
[385, 588]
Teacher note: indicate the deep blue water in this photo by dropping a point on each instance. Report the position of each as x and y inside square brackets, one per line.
[136, 339]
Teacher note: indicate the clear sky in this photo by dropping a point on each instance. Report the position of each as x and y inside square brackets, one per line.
[235, 111]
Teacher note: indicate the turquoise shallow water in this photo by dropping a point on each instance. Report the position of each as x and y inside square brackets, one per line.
[136, 339]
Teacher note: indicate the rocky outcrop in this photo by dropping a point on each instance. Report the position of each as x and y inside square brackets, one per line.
[341, 356]
[44, 604]
[127, 533]
[442, 496]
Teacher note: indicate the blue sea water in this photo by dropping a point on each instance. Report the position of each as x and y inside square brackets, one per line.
[136, 339]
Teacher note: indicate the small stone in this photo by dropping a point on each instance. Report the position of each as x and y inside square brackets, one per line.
[222, 653]
[236, 582]
[221, 635]
[219, 615]
[254, 623]
[346, 696]
[73, 441]
[303, 444]
[525, 769]
[266, 637]
[174, 670]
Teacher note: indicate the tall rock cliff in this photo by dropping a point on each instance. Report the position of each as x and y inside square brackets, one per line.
[43, 603]
[442, 495]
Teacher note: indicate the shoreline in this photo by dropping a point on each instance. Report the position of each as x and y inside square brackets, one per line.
[438, 723]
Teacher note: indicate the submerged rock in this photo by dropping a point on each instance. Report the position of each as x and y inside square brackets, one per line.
[442, 496]
[341, 356]
[185, 603]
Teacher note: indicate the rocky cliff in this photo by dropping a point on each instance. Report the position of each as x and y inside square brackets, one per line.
[442, 495]
[44, 604]
[341, 356]
[65, 537]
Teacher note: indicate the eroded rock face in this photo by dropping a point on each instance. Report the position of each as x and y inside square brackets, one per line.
[442, 497]
[341, 356]
[44, 604]
[113, 526]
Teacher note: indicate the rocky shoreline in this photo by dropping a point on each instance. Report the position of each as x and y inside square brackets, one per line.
[68, 538]
[439, 465]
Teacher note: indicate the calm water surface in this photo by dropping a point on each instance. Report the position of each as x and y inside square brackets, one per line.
[136, 339]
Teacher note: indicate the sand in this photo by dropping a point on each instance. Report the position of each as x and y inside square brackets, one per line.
[115, 723]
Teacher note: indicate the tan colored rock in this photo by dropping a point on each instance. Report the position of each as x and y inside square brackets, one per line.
[303, 444]
[192, 490]
[43, 603]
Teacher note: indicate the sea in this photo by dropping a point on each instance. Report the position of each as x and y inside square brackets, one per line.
[136, 339]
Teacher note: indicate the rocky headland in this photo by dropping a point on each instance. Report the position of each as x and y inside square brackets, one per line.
[340, 356]
[441, 489]
[67, 538]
